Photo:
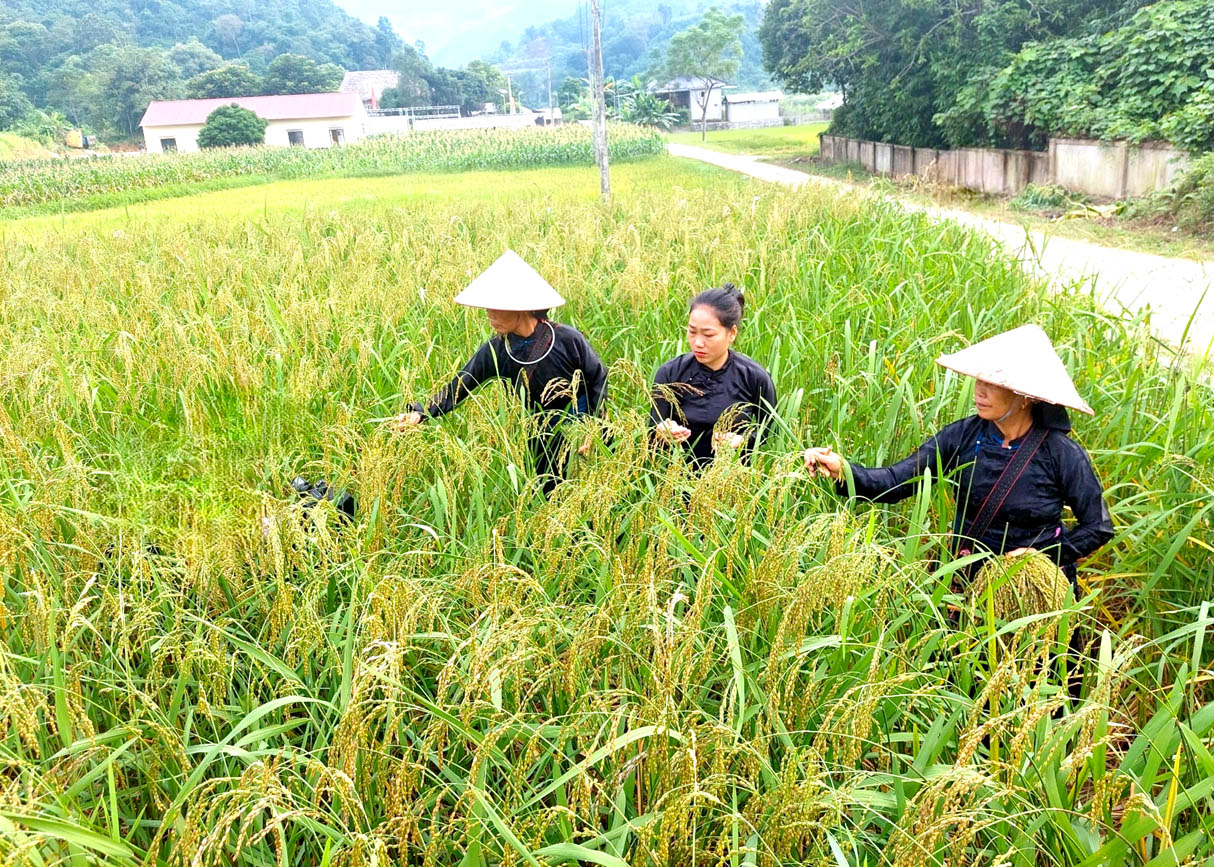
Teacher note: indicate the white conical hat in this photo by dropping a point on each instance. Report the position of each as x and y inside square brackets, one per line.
[1022, 360]
[510, 284]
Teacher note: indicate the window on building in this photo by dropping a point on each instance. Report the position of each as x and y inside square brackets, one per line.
[295, 138]
[168, 144]
[337, 136]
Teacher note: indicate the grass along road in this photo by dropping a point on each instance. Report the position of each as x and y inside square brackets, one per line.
[1175, 291]
[770, 142]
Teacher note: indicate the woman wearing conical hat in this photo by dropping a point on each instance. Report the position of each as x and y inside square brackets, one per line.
[528, 350]
[1013, 462]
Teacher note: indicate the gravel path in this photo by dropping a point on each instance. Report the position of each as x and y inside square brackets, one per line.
[1178, 292]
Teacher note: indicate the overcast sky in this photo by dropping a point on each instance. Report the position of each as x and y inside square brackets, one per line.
[456, 31]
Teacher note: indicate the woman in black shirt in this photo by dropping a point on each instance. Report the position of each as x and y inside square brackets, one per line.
[1005, 503]
[713, 397]
[531, 352]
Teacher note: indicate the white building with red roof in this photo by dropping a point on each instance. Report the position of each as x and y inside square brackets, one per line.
[312, 120]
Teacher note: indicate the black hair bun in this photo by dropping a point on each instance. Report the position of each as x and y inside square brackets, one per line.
[735, 292]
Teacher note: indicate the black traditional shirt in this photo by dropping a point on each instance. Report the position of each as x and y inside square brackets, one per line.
[558, 355]
[697, 396]
[1060, 474]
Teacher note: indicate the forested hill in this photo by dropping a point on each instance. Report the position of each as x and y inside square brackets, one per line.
[255, 31]
[635, 33]
[99, 62]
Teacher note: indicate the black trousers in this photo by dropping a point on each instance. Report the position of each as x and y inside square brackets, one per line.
[550, 455]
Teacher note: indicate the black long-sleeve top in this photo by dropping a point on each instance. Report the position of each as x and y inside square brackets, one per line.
[570, 354]
[698, 396]
[1060, 474]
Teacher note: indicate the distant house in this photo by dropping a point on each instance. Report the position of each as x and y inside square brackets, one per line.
[370, 85]
[313, 120]
[761, 107]
[688, 93]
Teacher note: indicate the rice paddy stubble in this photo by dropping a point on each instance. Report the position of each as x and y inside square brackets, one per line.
[471, 674]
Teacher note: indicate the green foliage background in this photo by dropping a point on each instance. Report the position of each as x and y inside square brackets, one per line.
[1007, 73]
[98, 64]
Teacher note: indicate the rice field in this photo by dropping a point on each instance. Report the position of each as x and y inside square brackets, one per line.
[771, 142]
[652, 668]
[41, 182]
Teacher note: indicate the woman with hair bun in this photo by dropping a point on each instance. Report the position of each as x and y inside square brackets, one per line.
[713, 397]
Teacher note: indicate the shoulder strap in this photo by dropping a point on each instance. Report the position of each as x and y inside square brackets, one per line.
[1006, 482]
[541, 346]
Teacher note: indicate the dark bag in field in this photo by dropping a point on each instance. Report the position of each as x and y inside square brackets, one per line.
[312, 492]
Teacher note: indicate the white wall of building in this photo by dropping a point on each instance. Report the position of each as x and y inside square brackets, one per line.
[186, 138]
[480, 121]
[392, 124]
[747, 112]
[714, 110]
[316, 132]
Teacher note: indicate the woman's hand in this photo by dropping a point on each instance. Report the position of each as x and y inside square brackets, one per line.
[1021, 552]
[584, 448]
[405, 422]
[726, 440]
[824, 462]
[671, 432]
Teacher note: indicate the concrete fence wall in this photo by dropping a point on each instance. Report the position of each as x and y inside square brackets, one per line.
[1102, 170]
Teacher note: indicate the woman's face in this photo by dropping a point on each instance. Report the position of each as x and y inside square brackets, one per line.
[994, 402]
[504, 321]
[708, 338]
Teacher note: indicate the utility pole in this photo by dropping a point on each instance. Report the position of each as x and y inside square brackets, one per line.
[600, 96]
[551, 118]
[510, 97]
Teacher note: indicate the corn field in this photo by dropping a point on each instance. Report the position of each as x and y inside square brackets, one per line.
[651, 668]
[52, 181]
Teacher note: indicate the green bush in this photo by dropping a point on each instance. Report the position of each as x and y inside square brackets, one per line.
[232, 126]
[1045, 197]
[1192, 205]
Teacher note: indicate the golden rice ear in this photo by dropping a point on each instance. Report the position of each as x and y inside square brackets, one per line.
[1022, 585]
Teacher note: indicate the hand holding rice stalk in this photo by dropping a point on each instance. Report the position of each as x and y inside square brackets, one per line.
[1033, 585]
[670, 431]
[406, 422]
[723, 440]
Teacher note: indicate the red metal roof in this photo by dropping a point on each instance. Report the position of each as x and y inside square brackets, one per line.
[296, 106]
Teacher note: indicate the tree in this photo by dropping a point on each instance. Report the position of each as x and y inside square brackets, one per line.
[193, 58]
[294, 73]
[127, 79]
[73, 87]
[648, 109]
[485, 84]
[231, 79]
[387, 42]
[709, 51]
[228, 27]
[412, 88]
[571, 91]
[22, 44]
[14, 104]
[445, 87]
[232, 126]
[914, 72]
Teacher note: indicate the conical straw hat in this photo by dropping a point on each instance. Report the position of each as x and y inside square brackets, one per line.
[1022, 360]
[510, 284]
